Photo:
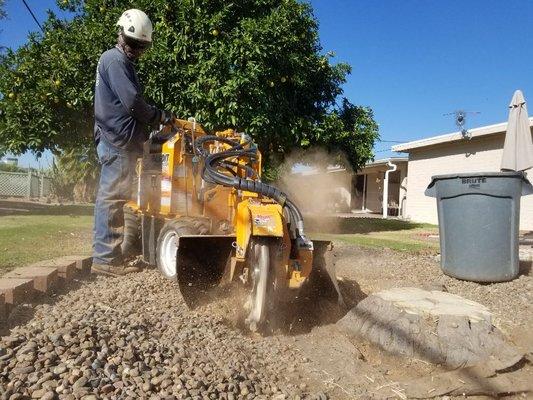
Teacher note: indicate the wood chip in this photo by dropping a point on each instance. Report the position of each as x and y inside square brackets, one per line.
[399, 394]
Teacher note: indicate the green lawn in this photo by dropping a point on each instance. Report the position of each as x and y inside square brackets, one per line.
[29, 234]
[377, 233]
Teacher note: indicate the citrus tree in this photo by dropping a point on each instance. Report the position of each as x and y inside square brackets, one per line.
[255, 65]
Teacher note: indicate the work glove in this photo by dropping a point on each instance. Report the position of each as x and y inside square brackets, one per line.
[166, 117]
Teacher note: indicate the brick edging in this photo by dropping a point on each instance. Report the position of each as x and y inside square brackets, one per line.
[24, 284]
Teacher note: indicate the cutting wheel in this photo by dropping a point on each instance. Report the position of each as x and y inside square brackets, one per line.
[259, 274]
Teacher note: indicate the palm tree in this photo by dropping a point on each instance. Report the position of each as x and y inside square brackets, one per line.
[75, 174]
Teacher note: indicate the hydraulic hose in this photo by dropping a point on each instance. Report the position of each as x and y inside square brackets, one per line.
[212, 174]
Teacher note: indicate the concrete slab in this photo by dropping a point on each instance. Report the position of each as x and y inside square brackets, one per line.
[44, 278]
[17, 291]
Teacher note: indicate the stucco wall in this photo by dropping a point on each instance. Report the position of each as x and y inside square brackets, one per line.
[477, 155]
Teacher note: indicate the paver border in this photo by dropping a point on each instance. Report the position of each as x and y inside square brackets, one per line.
[64, 270]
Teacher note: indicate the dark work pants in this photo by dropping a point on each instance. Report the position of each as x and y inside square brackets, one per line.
[116, 177]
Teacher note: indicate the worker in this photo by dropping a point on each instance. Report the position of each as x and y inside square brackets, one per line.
[121, 120]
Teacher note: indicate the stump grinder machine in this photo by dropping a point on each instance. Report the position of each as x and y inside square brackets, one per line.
[206, 220]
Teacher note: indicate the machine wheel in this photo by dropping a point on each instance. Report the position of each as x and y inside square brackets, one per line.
[261, 259]
[131, 242]
[168, 241]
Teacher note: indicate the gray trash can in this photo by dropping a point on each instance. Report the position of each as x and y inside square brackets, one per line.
[479, 216]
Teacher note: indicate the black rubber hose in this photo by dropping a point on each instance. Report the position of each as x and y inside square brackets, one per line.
[213, 161]
[250, 172]
[199, 143]
[211, 174]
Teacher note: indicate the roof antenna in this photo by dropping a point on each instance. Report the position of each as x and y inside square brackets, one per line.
[460, 121]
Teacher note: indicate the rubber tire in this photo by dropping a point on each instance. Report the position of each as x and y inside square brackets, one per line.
[180, 227]
[131, 241]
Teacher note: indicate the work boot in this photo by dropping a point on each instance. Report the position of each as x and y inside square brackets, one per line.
[113, 270]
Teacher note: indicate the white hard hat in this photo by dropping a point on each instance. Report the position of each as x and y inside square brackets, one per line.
[136, 25]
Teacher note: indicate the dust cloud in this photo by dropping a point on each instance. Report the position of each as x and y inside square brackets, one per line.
[317, 181]
[320, 184]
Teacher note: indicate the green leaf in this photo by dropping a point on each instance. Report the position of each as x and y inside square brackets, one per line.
[234, 77]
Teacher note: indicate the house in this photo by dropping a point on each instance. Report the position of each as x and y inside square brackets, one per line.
[369, 183]
[480, 151]
[337, 189]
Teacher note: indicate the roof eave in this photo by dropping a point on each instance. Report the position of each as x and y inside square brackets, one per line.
[453, 137]
[381, 162]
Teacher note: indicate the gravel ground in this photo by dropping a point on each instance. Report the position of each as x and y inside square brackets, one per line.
[134, 338]
[128, 338]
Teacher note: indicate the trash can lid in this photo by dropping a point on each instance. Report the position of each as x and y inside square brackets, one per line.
[497, 174]
[527, 188]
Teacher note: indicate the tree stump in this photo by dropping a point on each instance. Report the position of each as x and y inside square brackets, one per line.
[439, 327]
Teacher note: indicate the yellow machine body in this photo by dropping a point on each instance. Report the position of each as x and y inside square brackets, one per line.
[216, 226]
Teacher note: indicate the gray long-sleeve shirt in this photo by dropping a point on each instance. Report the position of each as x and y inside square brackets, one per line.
[121, 113]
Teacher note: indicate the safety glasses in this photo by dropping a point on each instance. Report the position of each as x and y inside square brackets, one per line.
[136, 45]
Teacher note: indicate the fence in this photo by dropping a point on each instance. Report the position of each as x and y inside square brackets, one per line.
[24, 184]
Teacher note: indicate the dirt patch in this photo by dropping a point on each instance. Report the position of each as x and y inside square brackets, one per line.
[375, 270]
[435, 326]
[357, 369]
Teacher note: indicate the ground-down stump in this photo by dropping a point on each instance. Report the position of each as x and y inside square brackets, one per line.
[439, 327]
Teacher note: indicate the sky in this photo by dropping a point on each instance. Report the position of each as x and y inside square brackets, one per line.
[413, 60]
[14, 32]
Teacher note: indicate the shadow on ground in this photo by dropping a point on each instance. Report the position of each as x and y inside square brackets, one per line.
[312, 311]
[525, 267]
[313, 308]
[11, 207]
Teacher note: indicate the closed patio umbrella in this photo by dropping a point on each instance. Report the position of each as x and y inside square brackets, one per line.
[518, 147]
